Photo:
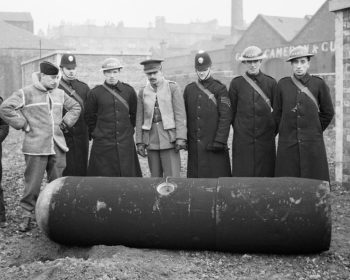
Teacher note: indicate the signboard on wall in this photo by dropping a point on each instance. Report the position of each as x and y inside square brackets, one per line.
[283, 52]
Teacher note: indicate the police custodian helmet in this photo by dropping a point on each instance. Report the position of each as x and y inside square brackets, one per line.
[68, 60]
[202, 61]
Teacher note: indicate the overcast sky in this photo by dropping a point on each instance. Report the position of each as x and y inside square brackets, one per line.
[142, 12]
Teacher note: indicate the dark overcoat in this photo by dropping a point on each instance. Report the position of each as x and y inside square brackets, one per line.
[77, 137]
[207, 123]
[4, 130]
[111, 125]
[301, 151]
[253, 144]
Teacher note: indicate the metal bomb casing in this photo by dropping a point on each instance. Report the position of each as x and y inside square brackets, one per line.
[270, 215]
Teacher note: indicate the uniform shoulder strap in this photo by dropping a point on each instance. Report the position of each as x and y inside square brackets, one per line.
[73, 93]
[207, 92]
[258, 90]
[116, 95]
[305, 90]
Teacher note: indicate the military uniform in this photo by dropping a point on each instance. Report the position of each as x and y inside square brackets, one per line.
[161, 120]
[111, 126]
[301, 150]
[253, 145]
[206, 123]
[77, 137]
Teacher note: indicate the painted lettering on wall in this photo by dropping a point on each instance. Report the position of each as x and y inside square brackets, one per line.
[283, 52]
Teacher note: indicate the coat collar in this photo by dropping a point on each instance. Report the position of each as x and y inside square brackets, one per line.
[206, 82]
[36, 82]
[258, 77]
[117, 86]
[304, 79]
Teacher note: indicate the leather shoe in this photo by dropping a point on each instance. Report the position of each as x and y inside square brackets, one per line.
[25, 225]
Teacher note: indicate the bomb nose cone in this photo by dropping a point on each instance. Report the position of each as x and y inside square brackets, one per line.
[43, 203]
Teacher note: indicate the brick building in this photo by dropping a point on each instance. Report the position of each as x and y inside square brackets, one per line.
[164, 38]
[22, 20]
[275, 36]
[341, 9]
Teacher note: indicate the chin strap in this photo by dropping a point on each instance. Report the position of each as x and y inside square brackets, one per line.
[206, 77]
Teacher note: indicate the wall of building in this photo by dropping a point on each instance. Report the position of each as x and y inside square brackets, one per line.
[26, 25]
[10, 69]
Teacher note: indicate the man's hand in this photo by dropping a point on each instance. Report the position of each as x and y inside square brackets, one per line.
[217, 147]
[141, 149]
[63, 127]
[180, 144]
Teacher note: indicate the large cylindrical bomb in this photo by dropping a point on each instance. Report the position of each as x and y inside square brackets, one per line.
[270, 215]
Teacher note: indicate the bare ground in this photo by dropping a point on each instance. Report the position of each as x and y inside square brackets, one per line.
[32, 256]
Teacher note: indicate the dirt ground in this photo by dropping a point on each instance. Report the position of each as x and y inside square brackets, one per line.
[33, 256]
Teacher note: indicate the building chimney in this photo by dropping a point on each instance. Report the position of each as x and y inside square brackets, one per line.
[236, 15]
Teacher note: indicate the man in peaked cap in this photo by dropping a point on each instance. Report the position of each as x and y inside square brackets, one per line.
[111, 115]
[77, 137]
[208, 111]
[302, 110]
[37, 110]
[160, 122]
[251, 95]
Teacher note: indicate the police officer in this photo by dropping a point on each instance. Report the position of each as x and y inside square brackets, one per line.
[111, 114]
[77, 137]
[208, 111]
[302, 109]
[161, 122]
[251, 94]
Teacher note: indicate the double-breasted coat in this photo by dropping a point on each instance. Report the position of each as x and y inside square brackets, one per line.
[253, 144]
[111, 125]
[207, 123]
[301, 150]
[77, 137]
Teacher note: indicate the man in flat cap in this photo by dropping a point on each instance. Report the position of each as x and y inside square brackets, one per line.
[251, 94]
[37, 110]
[208, 110]
[302, 110]
[160, 122]
[77, 137]
[111, 115]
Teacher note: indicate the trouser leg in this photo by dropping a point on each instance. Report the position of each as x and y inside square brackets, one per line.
[56, 164]
[154, 163]
[2, 205]
[171, 163]
[33, 176]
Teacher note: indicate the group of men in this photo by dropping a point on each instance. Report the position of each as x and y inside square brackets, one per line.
[60, 114]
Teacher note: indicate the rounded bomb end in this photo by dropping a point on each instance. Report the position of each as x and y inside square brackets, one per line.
[43, 203]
